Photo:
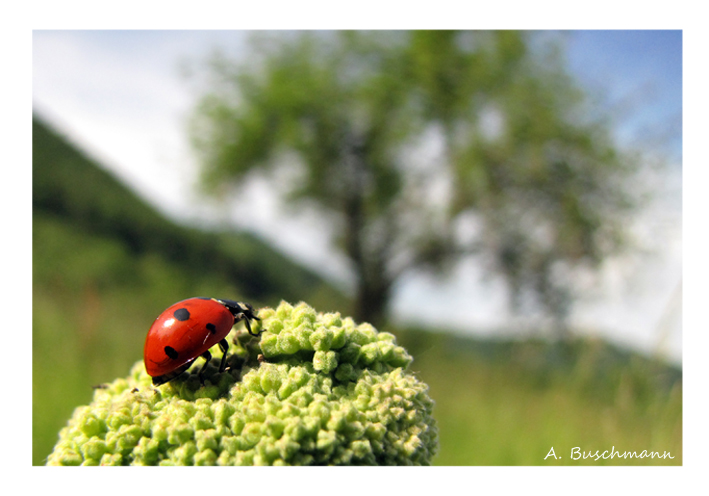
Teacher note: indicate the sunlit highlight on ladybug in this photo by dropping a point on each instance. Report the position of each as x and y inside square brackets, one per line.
[187, 330]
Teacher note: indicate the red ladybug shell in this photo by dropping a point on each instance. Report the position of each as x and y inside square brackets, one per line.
[183, 332]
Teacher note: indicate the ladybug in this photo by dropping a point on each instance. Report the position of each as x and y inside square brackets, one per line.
[187, 330]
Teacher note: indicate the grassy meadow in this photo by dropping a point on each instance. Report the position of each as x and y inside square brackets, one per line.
[509, 403]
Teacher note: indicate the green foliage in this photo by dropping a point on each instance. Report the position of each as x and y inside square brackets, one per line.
[336, 394]
[523, 165]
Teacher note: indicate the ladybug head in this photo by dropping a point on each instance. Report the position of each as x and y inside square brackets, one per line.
[247, 310]
[240, 311]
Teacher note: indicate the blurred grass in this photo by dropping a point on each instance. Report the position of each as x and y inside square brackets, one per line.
[510, 402]
[105, 265]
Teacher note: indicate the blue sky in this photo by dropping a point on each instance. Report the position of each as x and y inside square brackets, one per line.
[120, 95]
[627, 63]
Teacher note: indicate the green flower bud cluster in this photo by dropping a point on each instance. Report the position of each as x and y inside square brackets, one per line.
[316, 389]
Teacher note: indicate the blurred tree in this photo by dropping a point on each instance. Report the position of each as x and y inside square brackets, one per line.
[522, 176]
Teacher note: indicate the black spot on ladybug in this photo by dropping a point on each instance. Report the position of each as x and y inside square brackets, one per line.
[212, 328]
[181, 314]
[170, 352]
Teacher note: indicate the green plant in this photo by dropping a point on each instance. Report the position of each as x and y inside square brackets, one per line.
[316, 389]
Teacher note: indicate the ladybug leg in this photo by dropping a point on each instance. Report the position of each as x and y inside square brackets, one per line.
[224, 346]
[248, 325]
[207, 357]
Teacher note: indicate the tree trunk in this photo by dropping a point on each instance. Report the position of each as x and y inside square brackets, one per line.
[372, 302]
[373, 283]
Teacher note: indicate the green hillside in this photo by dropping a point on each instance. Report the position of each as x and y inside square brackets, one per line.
[69, 188]
[105, 264]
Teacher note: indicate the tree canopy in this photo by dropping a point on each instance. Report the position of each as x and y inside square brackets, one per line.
[424, 147]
